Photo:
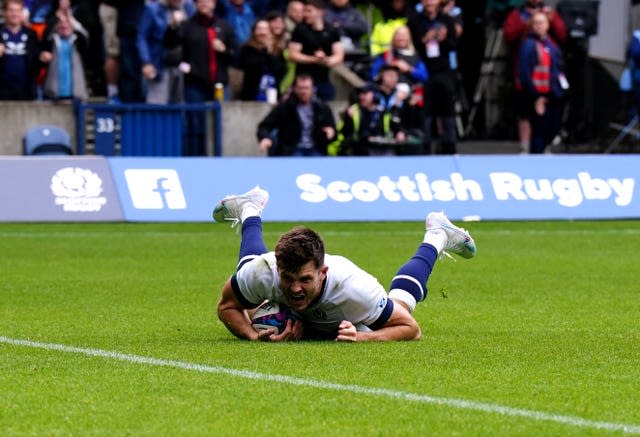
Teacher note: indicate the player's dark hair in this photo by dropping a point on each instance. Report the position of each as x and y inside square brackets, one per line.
[297, 247]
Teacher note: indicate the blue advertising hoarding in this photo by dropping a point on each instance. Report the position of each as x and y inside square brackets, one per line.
[385, 188]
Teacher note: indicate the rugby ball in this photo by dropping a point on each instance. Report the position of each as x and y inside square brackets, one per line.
[272, 315]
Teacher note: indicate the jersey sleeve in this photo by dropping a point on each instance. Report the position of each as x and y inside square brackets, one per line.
[256, 281]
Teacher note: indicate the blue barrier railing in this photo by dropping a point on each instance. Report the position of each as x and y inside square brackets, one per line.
[139, 129]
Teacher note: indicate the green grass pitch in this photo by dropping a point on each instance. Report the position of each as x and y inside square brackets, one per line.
[111, 330]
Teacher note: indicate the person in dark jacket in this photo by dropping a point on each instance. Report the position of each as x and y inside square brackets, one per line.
[300, 125]
[263, 66]
[130, 76]
[208, 47]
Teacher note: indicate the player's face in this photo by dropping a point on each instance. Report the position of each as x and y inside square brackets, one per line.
[304, 286]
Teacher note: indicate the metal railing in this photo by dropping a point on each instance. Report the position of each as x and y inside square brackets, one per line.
[140, 129]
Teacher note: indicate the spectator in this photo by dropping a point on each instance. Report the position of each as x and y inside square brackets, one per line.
[300, 125]
[63, 10]
[450, 8]
[393, 16]
[160, 70]
[315, 47]
[278, 31]
[240, 16]
[362, 123]
[108, 19]
[64, 49]
[388, 79]
[129, 76]
[37, 13]
[82, 13]
[349, 21]
[19, 53]
[633, 56]
[402, 55]
[262, 7]
[543, 83]
[407, 115]
[515, 29]
[434, 37]
[263, 67]
[293, 16]
[208, 46]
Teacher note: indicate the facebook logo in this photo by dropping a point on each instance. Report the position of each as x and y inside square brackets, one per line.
[155, 189]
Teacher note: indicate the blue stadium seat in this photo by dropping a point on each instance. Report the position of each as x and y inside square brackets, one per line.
[46, 139]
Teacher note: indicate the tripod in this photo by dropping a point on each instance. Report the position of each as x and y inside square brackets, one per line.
[491, 51]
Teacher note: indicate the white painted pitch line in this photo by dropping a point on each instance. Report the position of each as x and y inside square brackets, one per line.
[398, 232]
[325, 385]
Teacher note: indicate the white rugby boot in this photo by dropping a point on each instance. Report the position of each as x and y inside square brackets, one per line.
[237, 207]
[458, 240]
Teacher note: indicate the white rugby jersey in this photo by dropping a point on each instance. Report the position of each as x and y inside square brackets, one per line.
[349, 293]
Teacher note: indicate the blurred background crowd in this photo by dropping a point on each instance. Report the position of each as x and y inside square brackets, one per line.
[409, 70]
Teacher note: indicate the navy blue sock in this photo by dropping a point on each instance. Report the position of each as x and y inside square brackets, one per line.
[413, 275]
[251, 244]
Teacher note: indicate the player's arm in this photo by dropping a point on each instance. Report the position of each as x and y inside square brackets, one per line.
[235, 318]
[400, 326]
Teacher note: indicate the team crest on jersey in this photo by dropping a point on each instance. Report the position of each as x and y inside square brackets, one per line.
[382, 302]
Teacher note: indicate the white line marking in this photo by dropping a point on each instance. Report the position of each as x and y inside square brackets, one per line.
[413, 231]
[370, 391]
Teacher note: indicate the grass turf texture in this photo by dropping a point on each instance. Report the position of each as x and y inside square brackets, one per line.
[545, 319]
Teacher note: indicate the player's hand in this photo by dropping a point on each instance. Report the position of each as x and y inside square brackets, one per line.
[292, 332]
[266, 334]
[346, 331]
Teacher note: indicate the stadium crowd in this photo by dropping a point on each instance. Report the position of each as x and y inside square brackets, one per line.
[405, 63]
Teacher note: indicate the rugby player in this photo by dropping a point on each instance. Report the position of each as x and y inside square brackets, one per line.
[334, 298]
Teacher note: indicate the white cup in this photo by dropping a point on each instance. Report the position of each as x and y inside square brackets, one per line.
[272, 96]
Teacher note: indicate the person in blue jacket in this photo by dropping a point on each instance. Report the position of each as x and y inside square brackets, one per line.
[160, 71]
